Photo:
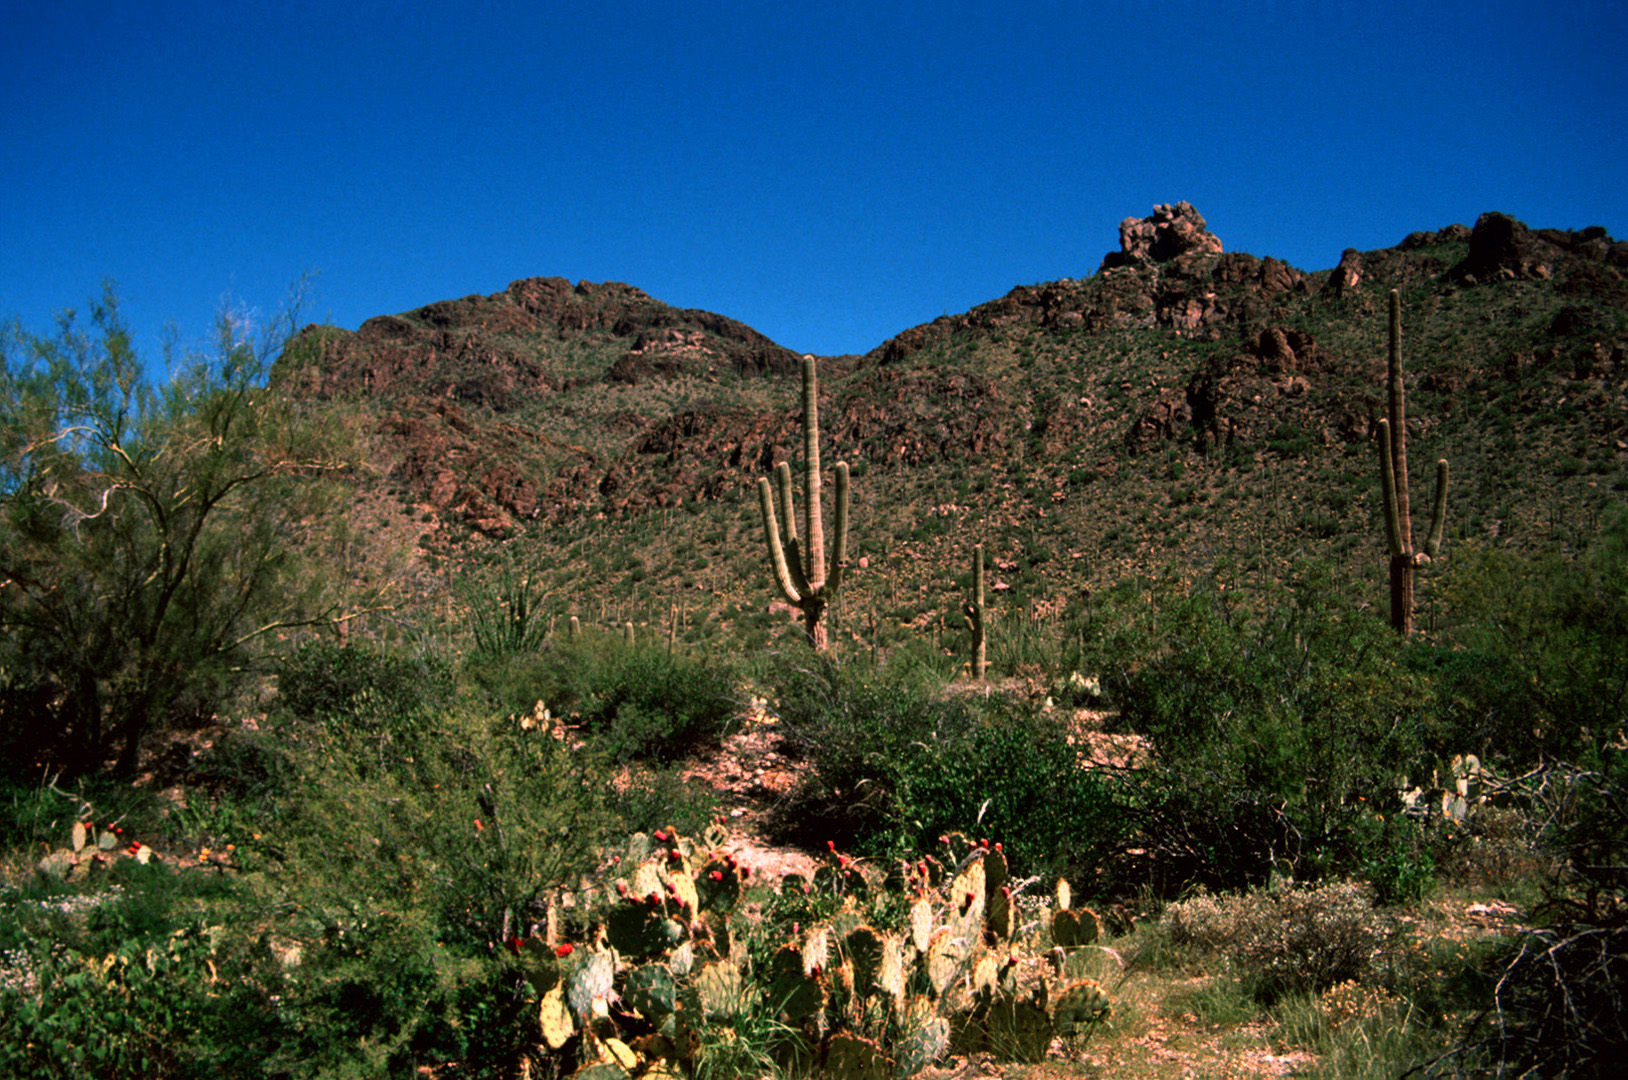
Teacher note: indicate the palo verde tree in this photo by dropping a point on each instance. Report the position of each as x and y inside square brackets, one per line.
[148, 534]
[801, 575]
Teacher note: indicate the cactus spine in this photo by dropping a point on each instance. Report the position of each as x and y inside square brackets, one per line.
[1392, 437]
[802, 577]
[975, 616]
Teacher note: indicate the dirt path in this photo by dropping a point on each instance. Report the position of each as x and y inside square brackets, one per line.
[752, 774]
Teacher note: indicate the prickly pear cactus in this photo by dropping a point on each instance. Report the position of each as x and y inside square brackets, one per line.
[642, 928]
[966, 897]
[1080, 1005]
[923, 1038]
[795, 989]
[555, 1018]
[1001, 916]
[1073, 928]
[986, 975]
[850, 1057]
[538, 965]
[995, 871]
[718, 885]
[652, 990]
[719, 991]
[892, 974]
[864, 946]
[591, 981]
[945, 953]
[921, 923]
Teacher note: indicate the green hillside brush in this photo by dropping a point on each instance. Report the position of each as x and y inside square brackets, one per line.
[974, 612]
[802, 575]
[1392, 438]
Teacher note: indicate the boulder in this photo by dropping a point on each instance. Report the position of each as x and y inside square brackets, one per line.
[1168, 234]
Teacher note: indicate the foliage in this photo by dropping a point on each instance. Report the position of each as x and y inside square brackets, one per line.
[1297, 938]
[894, 764]
[144, 533]
[1268, 726]
[474, 820]
[504, 615]
[1547, 668]
[361, 686]
[639, 701]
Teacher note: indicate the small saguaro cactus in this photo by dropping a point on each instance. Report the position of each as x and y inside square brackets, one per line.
[974, 611]
[802, 576]
[1392, 437]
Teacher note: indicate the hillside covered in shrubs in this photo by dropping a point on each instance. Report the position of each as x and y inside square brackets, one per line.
[352, 684]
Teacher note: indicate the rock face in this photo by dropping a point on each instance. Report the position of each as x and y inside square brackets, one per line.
[1503, 248]
[1169, 234]
[1345, 277]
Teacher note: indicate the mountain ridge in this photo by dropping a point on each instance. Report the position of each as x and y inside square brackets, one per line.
[1149, 414]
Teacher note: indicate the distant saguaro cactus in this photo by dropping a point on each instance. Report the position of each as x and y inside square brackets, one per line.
[974, 611]
[802, 576]
[1392, 437]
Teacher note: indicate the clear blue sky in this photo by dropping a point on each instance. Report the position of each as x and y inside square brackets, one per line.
[828, 173]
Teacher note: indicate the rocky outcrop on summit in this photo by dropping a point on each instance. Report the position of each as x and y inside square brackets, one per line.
[1170, 233]
[1171, 273]
[1503, 248]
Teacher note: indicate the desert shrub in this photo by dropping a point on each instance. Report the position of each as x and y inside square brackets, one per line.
[141, 936]
[858, 732]
[638, 701]
[1546, 633]
[505, 613]
[1017, 778]
[1285, 940]
[476, 823]
[894, 763]
[1398, 857]
[647, 798]
[1269, 725]
[361, 686]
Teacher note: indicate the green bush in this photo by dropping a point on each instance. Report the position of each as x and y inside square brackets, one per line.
[1269, 727]
[640, 702]
[361, 686]
[1545, 670]
[1285, 940]
[895, 763]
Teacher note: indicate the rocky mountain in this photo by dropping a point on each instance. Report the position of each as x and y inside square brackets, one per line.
[1183, 409]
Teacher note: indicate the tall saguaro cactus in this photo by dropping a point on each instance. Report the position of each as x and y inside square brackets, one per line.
[974, 611]
[802, 576]
[1392, 437]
